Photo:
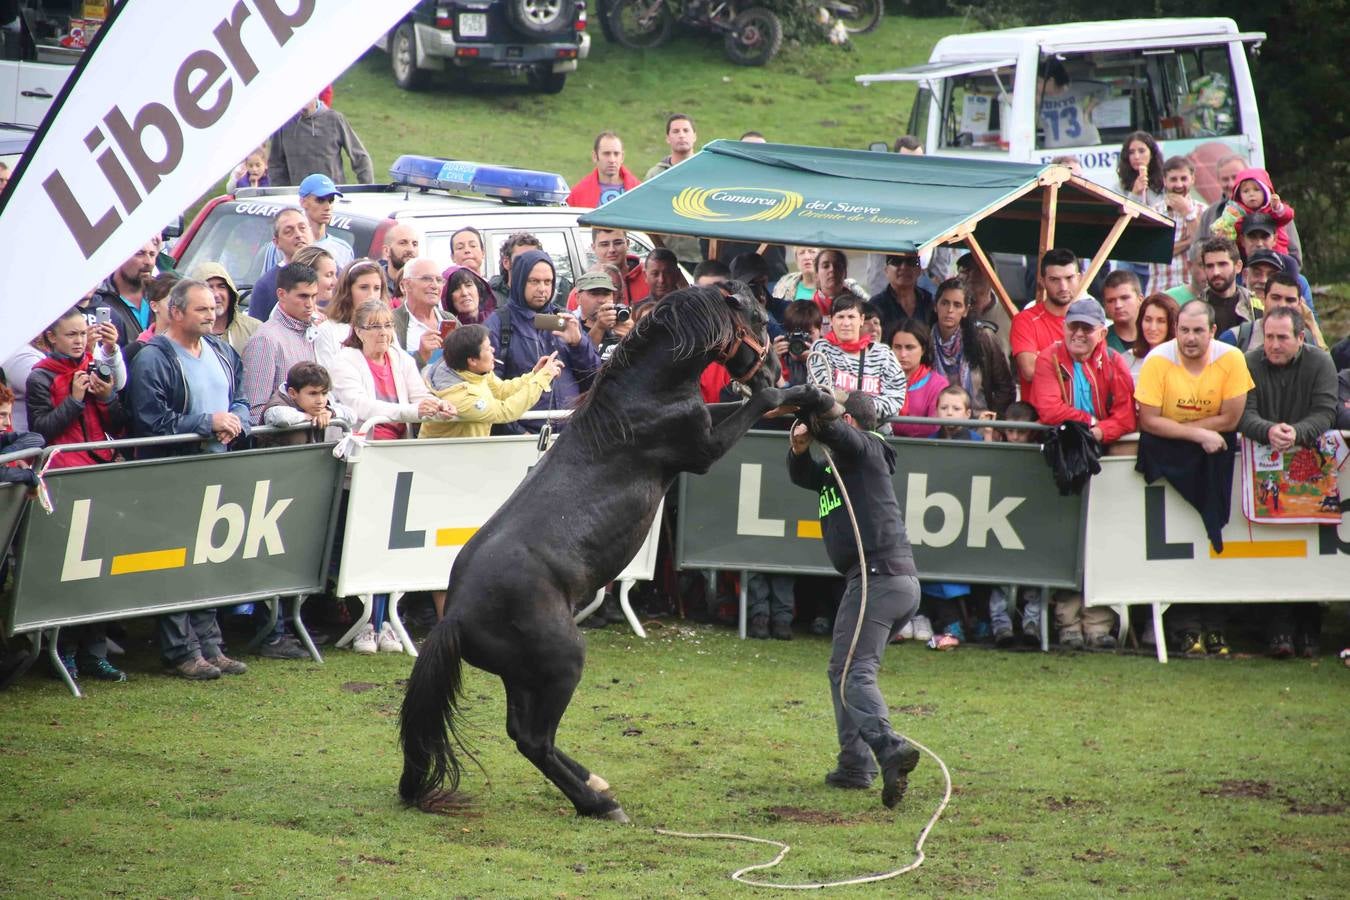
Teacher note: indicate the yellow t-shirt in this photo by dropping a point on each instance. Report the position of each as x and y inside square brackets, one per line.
[1164, 382]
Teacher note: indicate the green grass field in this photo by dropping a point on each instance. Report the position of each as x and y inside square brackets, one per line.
[1075, 775]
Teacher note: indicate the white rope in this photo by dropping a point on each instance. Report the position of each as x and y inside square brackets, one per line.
[783, 848]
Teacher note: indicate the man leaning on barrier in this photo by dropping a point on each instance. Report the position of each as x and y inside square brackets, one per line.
[1293, 405]
[187, 381]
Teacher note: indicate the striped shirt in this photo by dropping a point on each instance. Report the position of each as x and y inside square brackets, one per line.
[278, 344]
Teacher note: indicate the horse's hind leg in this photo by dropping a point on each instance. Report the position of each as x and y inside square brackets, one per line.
[533, 712]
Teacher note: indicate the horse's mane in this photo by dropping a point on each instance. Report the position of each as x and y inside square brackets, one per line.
[696, 319]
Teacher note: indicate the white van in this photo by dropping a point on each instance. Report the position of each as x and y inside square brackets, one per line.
[1033, 94]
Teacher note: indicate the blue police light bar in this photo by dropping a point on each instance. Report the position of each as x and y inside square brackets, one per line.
[503, 182]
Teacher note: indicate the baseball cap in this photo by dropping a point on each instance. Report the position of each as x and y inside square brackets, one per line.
[1087, 311]
[594, 281]
[1258, 221]
[318, 185]
[1266, 257]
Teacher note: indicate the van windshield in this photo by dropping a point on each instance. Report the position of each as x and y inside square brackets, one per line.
[1095, 98]
[977, 110]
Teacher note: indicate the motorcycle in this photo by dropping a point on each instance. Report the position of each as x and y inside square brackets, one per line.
[752, 35]
[858, 16]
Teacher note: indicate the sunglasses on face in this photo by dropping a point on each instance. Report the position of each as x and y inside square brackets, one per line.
[902, 261]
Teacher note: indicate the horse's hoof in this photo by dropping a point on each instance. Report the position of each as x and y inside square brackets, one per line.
[597, 784]
[617, 815]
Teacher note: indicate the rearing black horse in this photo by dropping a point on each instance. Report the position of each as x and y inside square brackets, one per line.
[572, 525]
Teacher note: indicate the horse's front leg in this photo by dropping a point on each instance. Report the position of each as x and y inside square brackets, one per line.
[732, 420]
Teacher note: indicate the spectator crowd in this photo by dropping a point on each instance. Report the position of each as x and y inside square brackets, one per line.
[1221, 341]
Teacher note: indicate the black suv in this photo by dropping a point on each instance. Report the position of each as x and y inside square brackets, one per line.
[542, 38]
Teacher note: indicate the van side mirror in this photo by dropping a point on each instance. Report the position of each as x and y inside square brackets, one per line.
[879, 147]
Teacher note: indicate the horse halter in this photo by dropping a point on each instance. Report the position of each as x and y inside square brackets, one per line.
[743, 337]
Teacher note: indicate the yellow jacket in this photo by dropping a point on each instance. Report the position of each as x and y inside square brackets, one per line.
[485, 400]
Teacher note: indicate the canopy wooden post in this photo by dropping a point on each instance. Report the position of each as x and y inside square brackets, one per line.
[712, 248]
[1107, 246]
[1049, 209]
[987, 268]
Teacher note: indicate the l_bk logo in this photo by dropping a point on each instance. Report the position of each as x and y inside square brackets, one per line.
[983, 520]
[255, 531]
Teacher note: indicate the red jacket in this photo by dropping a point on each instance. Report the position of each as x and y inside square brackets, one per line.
[1108, 377]
[635, 280]
[587, 190]
[73, 422]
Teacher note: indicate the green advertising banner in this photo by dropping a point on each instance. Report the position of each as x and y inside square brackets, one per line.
[983, 513]
[156, 536]
[13, 498]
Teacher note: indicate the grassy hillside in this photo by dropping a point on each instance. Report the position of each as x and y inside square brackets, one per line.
[807, 95]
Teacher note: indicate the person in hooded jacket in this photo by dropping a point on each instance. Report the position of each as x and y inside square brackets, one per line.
[517, 344]
[233, 325]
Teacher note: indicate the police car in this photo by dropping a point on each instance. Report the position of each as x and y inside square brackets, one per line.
[437, 196]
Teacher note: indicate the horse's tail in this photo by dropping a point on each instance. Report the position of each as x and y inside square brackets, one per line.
[427, 719]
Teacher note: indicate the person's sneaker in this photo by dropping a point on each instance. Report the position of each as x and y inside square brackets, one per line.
[758, 628]
[365, 639]
[1282, 646]
[1071, 639]
[906, 632]
[895, 774]
[1215, 645]
[283, 648]
[1003, 637]
[847, 780]
[1106, 641]
[943, 641]
[388, 640]
[196, 669]
[1309, 647]
[781, 631]
[820, 625]
[957, 631]
[104, 670]
[228, 666]
[1191, 645]
[981, 631]
[611, 610]
[68, 663]
[923, 628]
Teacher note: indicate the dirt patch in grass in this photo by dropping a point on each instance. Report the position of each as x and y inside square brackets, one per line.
[1241, 787]
[1062, 804]
[358, 687]
[915, 709]
[810, 816]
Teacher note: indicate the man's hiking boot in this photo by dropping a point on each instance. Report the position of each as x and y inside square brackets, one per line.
[895, 774]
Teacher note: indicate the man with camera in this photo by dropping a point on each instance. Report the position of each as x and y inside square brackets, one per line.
[603, 321]
[530, 326]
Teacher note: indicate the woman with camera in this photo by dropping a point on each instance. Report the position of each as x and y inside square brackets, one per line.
[72, 394]
[72, 399]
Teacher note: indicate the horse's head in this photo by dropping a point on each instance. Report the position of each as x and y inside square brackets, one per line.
[748, 356]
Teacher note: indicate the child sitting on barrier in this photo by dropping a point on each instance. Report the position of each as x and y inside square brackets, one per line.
[305, 399]
[1030, 597]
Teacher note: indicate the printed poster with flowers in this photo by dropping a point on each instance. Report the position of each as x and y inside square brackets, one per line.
[1296, 486]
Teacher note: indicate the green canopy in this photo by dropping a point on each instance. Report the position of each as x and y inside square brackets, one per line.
[862, 200]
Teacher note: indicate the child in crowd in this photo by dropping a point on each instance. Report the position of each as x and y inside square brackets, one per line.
[305, 399]
[254, 170]
[1252, 193]
[1030, 597]
[945, 599]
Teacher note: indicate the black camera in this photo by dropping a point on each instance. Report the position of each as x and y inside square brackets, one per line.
[622, 313]
[798, 343]
[101, 369]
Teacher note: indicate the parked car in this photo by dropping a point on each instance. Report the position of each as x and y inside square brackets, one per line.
[14, 140]
[38, 50]
[542, 38]
[437, 196]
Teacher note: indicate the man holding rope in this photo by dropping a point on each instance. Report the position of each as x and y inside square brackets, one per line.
[885, 596]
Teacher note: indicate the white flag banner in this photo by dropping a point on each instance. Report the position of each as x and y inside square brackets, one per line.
[169, 98]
